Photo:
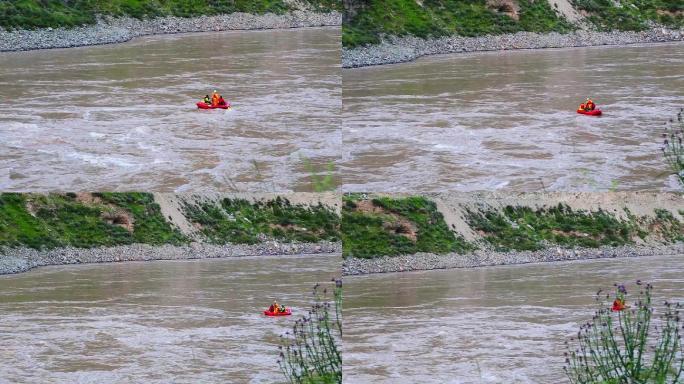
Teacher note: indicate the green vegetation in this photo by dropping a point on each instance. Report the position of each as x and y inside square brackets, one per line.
[61, 13]
[668, 226]
[55, 220]
[628, 345]
[107, 219]
[369, 21]
[310, 353]
[241, 221]
[522, 228]
[387, 226]
[673, 148]
[631, 15]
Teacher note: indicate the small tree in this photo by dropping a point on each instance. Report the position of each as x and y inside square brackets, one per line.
[673, 149]
[626, 344]
[311, 353]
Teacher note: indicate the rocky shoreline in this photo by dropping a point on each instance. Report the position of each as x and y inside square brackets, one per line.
[427, 261]
[402, 49]
[119, 30]
[17, 260]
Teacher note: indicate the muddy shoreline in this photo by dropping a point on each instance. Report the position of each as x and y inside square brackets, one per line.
[120, 30]
[429, 261]
[395, 50]
[17, 260]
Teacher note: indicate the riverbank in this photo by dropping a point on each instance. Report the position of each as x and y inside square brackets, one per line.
[397, 233]
[430, 261]
[393, 50]
[22, 259]
[119, 30]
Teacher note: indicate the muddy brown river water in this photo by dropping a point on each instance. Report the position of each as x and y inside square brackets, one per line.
[153, 322]
[123, 117]
[502, 324]
[506, 120]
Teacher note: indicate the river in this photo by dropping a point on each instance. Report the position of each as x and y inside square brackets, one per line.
[506, 120]
[483, 325]
[123, 116]
[195, 321]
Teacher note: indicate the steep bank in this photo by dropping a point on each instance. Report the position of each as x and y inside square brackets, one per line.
[122, 29]
[32, 14]
[38, 230]
[418, 28]
[388, 233]
[394, 50]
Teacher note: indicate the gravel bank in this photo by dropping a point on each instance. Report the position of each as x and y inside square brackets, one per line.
[118, 30]
[16, 260]
[402, 49]
[427, 261]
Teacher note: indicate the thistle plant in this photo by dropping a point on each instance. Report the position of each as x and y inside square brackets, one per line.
[672, 148]
[628, 342]
[310, 353]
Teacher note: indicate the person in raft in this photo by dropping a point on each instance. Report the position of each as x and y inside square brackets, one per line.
[207, 100]
[221, 101]
[588, 105]
[215, 99]
[276, 308]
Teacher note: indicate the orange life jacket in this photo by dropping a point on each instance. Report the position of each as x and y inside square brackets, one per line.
[215, 99]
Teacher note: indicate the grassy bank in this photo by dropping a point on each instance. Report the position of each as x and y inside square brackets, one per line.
[29, 14]
[242, 222]
[87, 220]
[527, 229]
[370, 20]
[367, 21]
[385, 226]
[374, 226]
[83, 220]
[631, 15]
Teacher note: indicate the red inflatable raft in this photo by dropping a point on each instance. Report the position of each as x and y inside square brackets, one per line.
[595, 112]
[203, 105]
[287, 312]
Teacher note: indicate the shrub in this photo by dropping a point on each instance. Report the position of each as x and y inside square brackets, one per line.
[628, 345]
[311, 353]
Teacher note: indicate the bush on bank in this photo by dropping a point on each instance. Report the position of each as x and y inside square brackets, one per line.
[30, 14]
